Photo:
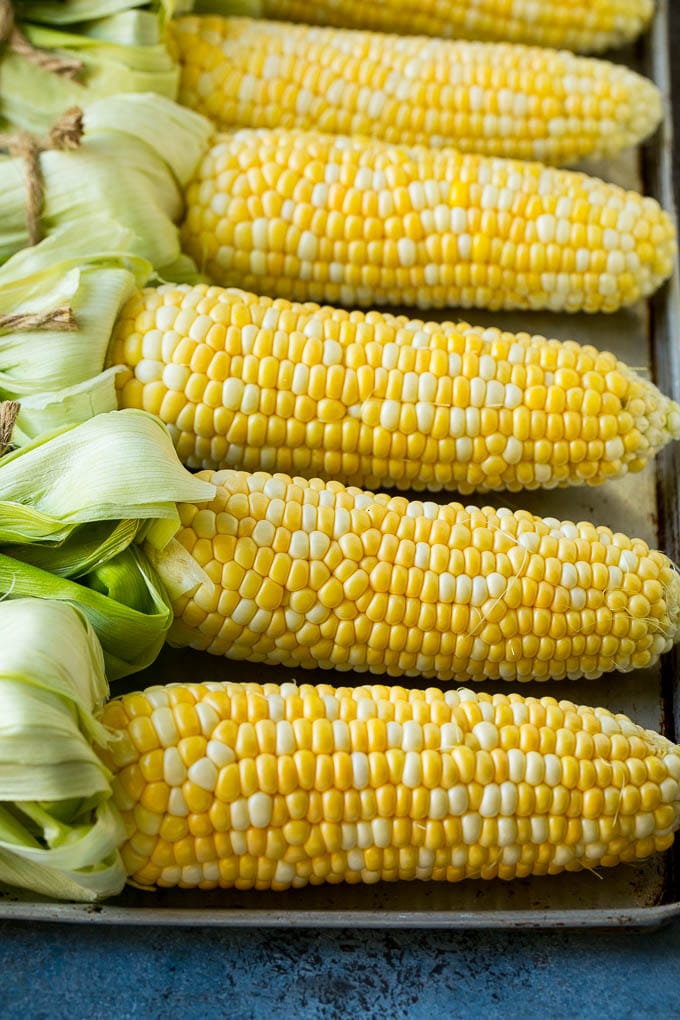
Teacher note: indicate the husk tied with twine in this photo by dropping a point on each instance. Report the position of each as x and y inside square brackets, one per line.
[75, 176]
[12, 36]
[59, 301]
[64, 135]
[70, 53]
[61, 320]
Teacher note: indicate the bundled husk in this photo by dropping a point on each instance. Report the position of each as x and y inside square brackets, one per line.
[137, 154]
[59, 829]
[76, 506]
[110, 47]
[55, 372]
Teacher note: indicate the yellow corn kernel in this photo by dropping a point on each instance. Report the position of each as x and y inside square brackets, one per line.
[471, 820]
[486, 546]
[441, 367]
[478, 98]
[583, 26]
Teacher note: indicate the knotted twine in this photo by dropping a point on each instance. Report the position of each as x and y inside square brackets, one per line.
[61, 319]
[67, 67]
[9, 409]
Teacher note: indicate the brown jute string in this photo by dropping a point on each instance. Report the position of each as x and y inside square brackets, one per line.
[62, 320]
[67, 67]
[66, 133]
[9, 409]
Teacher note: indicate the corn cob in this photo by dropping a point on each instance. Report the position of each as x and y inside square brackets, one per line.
[355, 221]
[267, 787]
[379, 400]
[315, 575]
[589, 27]
[498, 100]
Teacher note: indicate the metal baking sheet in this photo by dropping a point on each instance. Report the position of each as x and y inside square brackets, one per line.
[647, 505]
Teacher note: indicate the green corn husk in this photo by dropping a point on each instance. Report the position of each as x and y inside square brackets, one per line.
[33, 97]
[138, 152]
[124, 599]
[59, 829]
[75, 508]
[119, 45]
[69, 12]
[115, 466]
[128, 609]
[56, 374]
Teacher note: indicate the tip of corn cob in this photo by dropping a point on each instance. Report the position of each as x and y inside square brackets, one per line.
[655, 416]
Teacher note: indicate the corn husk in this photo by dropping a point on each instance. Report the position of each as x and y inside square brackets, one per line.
[68, 12]
[59, 829]
[138, 152]
[33, 97]
[115, 466]
[119, 46]
[75, 509]
[56, 374]
[129, 610]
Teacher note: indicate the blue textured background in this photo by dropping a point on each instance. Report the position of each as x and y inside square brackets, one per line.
[56, 971]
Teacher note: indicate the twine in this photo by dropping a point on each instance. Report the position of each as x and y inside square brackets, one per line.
[58, 319]
[9, 409]
[67, 67]
[62, 320]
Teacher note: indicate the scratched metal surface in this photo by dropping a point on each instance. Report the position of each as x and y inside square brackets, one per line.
[645, 505]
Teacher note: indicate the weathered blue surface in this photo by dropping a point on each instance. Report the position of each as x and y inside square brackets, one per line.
[56, 971]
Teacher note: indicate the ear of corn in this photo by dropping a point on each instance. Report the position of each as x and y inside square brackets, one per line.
[499, 100]
[316, 575]
[355, 221]
[270, 787]
[378, 400]
[586, 25]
